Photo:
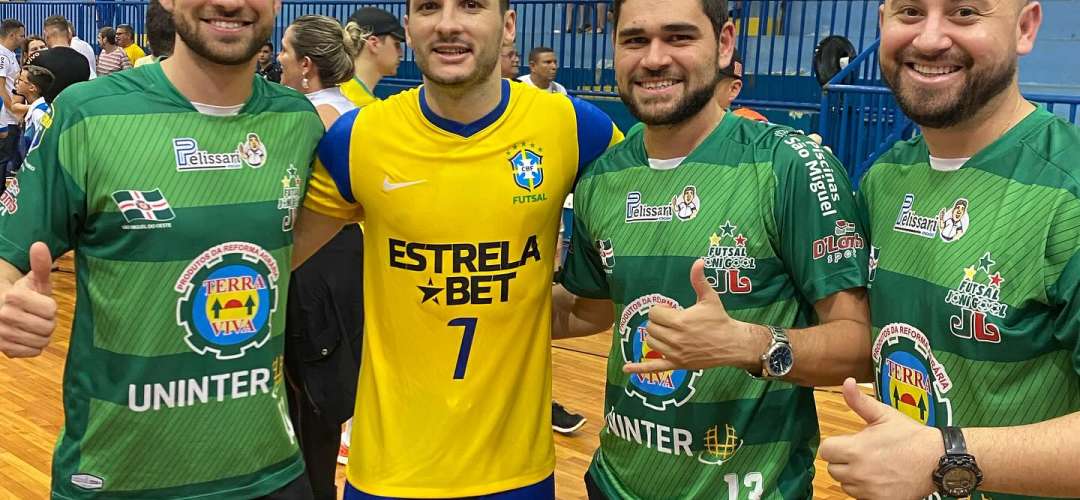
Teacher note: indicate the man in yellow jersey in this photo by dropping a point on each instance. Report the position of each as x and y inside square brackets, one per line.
[460, 183]
[379, 56]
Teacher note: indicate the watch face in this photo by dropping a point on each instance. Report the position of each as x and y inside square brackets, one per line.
[958, 482]
[780, 360]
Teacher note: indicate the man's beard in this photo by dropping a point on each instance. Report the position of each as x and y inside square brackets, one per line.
[945, 110]
[485, 65]
[231, 54]
[688, 106]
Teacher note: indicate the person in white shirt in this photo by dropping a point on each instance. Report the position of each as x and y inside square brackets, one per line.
[85, 49]
[543, 66]
[12, 34]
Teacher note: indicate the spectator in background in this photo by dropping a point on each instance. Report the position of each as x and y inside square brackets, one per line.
[32, 45]
[325, 315]
[85, 49]
[543, 66]
[268, 66]
[125, 38]
[379, 55]
[112, 57]
[33, 81]
[12, 33]
[67, 65]
[731, 84]
[510, 62]
[584, 26]
[160, 34]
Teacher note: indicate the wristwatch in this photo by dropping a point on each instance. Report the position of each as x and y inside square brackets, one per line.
[778, 359]
[957, 474]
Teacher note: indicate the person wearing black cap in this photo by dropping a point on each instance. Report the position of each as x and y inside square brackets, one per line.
[731, 84]
[379, 55]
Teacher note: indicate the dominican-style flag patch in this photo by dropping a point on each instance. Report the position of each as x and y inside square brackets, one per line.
[143, 205]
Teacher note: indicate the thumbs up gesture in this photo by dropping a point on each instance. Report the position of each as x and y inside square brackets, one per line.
[701, 336]
[894, 457]
[27, 308]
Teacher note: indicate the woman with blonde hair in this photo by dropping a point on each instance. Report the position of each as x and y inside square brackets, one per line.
[324, 318]
[316, 56]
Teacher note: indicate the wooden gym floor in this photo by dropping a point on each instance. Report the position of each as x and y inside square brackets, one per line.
[31, 413]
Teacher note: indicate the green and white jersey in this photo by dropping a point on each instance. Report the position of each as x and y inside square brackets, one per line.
[975, 279]
[181, 223]
[772, 215]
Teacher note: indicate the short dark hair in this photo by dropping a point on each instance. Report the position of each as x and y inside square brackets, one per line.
[268, 43]
[56, 23]
[109, 34]
[160, 30]
[9, 26]
[534, 54]
[504, 5]
[715, 10]
[39, 77]
[129, 28]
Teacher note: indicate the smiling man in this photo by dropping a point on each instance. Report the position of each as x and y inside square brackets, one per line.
[173, 386]
[691, 236]
[461, 184]
[975, 294]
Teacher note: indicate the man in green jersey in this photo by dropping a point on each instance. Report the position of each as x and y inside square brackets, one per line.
[176, 185]
[703, 210]
[975, 230]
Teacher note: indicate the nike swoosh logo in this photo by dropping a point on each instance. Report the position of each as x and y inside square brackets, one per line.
[388, 186]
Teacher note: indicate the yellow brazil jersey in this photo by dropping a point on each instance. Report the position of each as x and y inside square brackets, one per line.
[454, 397]
[355, 91]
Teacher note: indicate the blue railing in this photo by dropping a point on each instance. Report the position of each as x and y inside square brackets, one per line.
[776, 37]
[861, 119]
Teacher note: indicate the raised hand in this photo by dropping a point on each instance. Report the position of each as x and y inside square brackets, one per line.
[27, 308]
[701, 336]
[894, 457]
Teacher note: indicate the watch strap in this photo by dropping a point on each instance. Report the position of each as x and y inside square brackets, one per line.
[954, 441]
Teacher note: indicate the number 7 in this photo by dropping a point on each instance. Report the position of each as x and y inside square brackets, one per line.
[466, 344]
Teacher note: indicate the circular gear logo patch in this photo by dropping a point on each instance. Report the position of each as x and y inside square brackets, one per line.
[909, 376]
[229, 296]
[656, 390]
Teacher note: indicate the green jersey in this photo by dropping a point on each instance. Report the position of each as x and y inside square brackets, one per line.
[181, 225]
[975, 279]
[772, 215]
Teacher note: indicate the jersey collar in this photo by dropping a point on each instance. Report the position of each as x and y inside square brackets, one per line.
[466, 130]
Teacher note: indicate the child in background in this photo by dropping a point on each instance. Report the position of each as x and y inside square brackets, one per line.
[32, 82]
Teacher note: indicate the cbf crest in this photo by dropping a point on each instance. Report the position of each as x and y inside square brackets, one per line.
[229, 296]
[526, 163]
[655, 390]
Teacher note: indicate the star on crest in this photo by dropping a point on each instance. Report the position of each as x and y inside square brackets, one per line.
[714, 240]
[996, 280]
[985, 263]
[969, 273]
[728, 229]
[740, 240]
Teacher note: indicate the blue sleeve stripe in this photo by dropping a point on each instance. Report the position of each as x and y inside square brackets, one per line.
[334, 153]
[594, 131]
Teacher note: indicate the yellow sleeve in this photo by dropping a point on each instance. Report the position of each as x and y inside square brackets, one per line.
[330, 190]
[323, 196]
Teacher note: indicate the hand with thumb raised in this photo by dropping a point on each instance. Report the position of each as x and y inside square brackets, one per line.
[893, 457]
[701, 336]
[27, 308]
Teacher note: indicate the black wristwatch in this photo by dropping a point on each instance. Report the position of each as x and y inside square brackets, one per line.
[778, 359]
[957, 474]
